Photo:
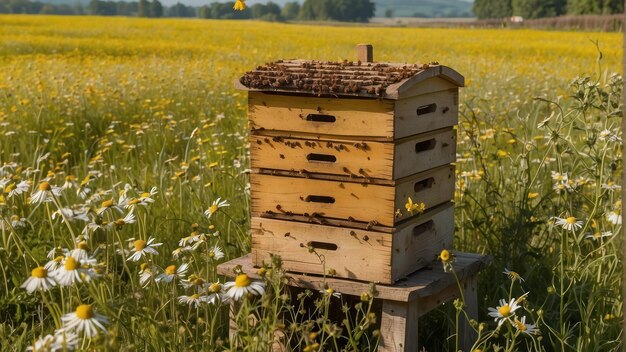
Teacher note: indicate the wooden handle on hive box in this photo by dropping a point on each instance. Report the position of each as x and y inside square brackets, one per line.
[321, 158]
[423, 184]
[323, 245]
[319, 199]
[425, 145]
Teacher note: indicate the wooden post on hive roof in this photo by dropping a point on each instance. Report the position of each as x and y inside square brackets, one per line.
[365, 52]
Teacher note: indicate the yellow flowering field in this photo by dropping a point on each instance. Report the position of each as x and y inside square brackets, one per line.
[123, 183]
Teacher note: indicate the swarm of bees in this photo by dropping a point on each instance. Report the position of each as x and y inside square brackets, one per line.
[330, 78]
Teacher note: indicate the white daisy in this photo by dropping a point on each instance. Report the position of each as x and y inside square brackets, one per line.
[71, 215]
[54, 264]
[45, 193]
[216, 253]
[217, 294]
[38, 280]
[84, 319]
[172, 272]
[70, 182]
[128, 219]
[80, 253]
[181, 250]
[215, 206]
[69, 272]
[142, 248]
[195, 299]
[570, 223]
[106, 205]
[192, 238]
[599, 235]
[524, 328]
[194, 281]
[504, 311]
[614, 217]
[242, 286]
[13, 190]
[61, 341]
[146, 273]
[18, 222]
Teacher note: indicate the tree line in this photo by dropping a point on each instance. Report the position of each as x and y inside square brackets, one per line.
[485, 9]
[310, 10]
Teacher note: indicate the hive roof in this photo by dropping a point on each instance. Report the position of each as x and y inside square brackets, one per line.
[347, 78]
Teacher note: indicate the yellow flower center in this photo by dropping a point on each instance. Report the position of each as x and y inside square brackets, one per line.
[120, 222]
[140, 245]
[213, 208]
[571, 220]
[71, 264]
[505, 310]
[144, 266]
[444, 255]
[39, 272]
[82, 245]
[145, 195]
[44, 186]
[215, 287]
[330, 291]
[194, 297]
[242, 280]
[9, 188]
[170, 270]
[107, 203]
[198, 282]
[134, 201]
[520, 326]
[84, 312]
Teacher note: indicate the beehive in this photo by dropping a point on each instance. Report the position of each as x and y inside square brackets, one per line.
[337, 149]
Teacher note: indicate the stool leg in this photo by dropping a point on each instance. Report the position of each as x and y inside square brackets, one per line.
[232, 323]
[398, 327]
[467, 333]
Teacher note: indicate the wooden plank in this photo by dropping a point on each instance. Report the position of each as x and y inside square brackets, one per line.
[431, 187]
[436, 110]
[419, 241]
[342, 200]
[470, 292]
[328, 116]
[354, 159]
[340, 157]
[423, 152]
[371, 204]
[350, 253]
[422, 283]
[373, 256]
[398, 327]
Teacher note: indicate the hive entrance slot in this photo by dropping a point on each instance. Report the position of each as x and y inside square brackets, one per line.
[423, 228]
[320, 199]
[426, 109]
[324, 158]
[323, 245]
[423, 184]
[320, 118]
[425, 145]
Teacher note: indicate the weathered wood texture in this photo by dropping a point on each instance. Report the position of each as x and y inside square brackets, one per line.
[325, 116]
[365, 119]
[426, 112]
[356, 202]
[354, 159]
[398, 327]
[423, 283]
[353, 253]
[404, 302]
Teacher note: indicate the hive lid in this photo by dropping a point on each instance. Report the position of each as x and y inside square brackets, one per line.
[347, 78]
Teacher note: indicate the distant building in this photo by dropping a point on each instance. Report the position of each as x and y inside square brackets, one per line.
[517, 19]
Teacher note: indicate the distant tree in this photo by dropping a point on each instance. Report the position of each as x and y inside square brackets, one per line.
[389, 13]
[538, 8]
[493, 9]
[156, 9]
[180, 10]
[338, 10]
[290, 10]
[585, 7]
[143, 8]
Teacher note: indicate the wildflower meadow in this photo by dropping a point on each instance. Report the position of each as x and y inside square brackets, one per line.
[124, 168]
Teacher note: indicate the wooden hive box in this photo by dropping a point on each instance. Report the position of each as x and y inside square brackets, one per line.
[337, 149]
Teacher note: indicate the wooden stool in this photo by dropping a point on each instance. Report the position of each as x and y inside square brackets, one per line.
[404, 302]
